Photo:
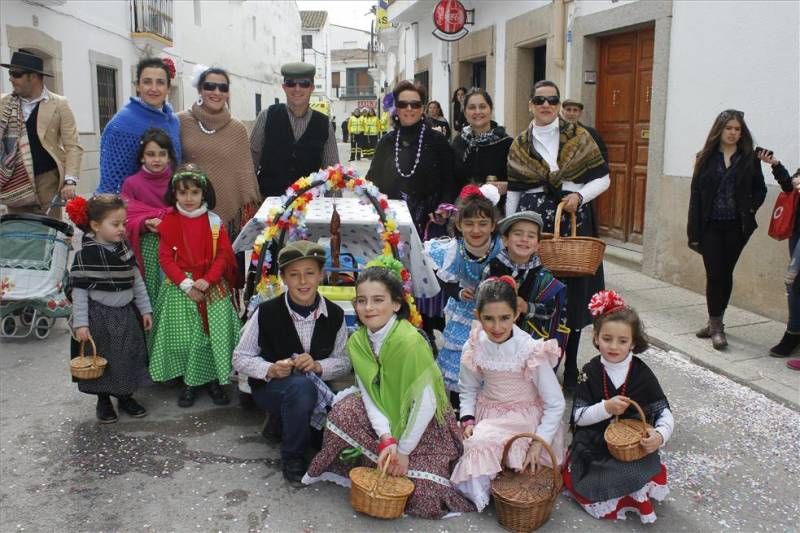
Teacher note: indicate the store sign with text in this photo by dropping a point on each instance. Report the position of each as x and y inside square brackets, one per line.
[450, 18]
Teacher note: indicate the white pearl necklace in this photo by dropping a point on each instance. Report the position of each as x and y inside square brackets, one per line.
[204, 130]
[416, 159]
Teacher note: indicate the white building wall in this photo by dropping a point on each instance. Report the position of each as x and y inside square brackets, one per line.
[753, 66]
[343, 37]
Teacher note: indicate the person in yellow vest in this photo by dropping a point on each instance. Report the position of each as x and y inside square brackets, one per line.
[362, 128]
[371, 134]
[354, 130]
[384, 123]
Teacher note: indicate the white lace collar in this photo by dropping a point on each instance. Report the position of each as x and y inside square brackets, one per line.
[617, 371]
[200, 211]
[376, 338]
[509, 355]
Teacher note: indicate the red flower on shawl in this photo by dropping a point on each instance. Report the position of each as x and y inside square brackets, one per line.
[605, 302]
[76, 210]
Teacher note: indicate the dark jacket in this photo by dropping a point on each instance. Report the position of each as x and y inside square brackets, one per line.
[750, 193]
[487, 160]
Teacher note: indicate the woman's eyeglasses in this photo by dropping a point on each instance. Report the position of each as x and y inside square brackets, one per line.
[540, 100]
[210, 86]
[403, 104]
[305, 84]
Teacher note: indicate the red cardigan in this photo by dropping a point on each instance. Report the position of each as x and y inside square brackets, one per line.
[185, 246]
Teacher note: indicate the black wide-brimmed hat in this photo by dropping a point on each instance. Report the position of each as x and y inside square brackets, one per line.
[26, 63]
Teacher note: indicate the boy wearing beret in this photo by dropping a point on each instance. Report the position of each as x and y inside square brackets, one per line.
[288, 349]
[541, 298]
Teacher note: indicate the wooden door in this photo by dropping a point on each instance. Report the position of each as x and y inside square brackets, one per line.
[623, 119]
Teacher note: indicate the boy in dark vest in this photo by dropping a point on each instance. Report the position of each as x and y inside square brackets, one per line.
[290, 346]
[292, 140]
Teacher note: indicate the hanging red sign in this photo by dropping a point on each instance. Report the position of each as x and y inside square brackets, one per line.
[450, 17]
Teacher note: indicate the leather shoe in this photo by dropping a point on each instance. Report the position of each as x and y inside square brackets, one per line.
[186, 399]
[105, 412]
[218, 394]
[294, 470]
[131, 407]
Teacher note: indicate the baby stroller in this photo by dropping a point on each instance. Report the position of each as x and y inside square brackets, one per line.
[34, 252]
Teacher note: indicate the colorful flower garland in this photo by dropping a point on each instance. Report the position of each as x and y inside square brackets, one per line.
[287, 220]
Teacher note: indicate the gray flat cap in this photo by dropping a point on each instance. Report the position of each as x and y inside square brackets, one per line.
[531, 216]
[298, 70]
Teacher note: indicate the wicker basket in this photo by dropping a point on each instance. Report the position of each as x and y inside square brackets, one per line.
[83, 367]
[623, 436]
[375, 494]
[570, 257]
[524, 500]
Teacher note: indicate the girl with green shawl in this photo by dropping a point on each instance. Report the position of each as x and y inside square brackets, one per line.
[399, 411]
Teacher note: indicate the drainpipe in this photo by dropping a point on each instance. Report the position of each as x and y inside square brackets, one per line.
[558, 23]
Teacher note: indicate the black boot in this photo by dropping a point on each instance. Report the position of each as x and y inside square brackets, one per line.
[294, 470]
[218, 394]
[789, 343]
[105, 410]
[131, 407]
[186, 399]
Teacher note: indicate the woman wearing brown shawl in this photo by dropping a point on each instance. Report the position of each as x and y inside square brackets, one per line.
[553, 161]
[219, 144]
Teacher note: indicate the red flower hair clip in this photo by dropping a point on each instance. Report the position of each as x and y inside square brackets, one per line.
[605, 302]
[77, 212]
[170, 64]
[503, 279]
[470, 190]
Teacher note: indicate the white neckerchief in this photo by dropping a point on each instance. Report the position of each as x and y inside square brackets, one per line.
[376, 338]
[545, 140]
[617, 371]
[200, 211]
[29, 105]
[509, 355]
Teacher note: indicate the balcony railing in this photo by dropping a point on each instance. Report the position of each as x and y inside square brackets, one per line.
[152, 17]
[356, 91]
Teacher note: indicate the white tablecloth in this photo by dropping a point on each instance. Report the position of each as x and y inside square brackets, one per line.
[359, 232]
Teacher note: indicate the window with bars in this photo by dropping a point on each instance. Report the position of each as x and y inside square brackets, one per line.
[106, 94]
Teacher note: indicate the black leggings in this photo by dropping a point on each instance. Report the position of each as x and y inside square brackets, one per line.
[721, 245]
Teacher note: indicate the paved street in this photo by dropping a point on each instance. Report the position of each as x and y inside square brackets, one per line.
[732, 462]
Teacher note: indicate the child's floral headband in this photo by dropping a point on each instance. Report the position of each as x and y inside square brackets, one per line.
[196, 175]
[503, 279]
[605, 302]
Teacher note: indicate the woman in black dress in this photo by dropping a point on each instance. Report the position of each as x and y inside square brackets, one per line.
[413, 162]
[436, 119]
[481, 149]
[459, 121]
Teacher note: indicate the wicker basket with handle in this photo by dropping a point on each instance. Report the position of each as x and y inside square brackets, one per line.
[524, 500]
[623, 436]
[570, 257]
[375, 494]
[91, 367]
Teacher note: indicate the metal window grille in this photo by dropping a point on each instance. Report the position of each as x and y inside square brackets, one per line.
[106, 94]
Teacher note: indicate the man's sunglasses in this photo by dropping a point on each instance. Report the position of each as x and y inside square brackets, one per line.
[540, 100]
[210, 86]
[305, 84]
[402, 104]
[16, 74]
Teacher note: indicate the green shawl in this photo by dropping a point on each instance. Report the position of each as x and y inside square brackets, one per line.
[579, 160]
[397, 379]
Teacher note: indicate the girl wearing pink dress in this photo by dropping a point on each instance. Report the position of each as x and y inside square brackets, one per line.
[507, 386]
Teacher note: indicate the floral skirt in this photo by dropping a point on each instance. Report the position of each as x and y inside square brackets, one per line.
[180, 344]
[430, 464]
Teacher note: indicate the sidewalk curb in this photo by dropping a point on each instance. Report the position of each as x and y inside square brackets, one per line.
[668, 346]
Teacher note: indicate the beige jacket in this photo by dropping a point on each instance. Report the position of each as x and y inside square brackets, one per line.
[58, 133]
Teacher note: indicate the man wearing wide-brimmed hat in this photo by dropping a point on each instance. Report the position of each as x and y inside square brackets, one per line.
[44, 146]
[292, 140]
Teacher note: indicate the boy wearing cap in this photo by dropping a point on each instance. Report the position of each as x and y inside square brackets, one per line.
[541, 298]
[290, 346]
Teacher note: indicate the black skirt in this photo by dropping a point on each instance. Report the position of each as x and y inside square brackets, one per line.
[579, 290]
[119, 338]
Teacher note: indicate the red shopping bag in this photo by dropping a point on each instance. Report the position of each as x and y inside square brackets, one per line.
[781, 224]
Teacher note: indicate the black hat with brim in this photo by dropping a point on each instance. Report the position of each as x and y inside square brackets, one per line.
[23, 62]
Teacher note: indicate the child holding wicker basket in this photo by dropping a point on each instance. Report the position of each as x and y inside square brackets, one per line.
[108, 297]
[507, 387]
[606, 479]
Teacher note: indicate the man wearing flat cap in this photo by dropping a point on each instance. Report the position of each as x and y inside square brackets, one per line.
[289, 348]
[40, 140]
[572, 110]
[292, 140]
